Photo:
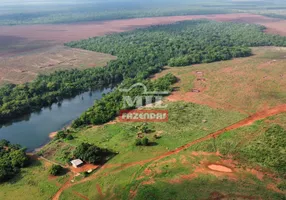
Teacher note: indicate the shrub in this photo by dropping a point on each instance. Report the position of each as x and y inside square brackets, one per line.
[142, 142]
[145, 141]
[61, 135]
[138, 142]
[269, 149]
[70, 137]
[282, 186]
[56, 170]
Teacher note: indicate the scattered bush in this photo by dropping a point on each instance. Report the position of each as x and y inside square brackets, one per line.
[70, 137]
[61, 135]
[142, 142]
[138, 142]
[56, 170]
[269, 149]
[282, 186]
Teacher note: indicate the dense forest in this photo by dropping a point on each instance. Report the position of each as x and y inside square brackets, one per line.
[183, 43]
[140, 53]
[12, 159]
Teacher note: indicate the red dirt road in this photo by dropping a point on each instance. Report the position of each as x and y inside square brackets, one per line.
[248, 121]
[68, 32]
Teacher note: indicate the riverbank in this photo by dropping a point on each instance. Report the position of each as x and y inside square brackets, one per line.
[39, 128]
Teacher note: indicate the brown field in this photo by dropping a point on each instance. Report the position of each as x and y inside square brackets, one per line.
[24, 68]
[247, 85]
[69, 32]
[27, 50]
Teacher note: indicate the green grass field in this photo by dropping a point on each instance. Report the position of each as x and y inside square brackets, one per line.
[151, 179]
[185, 175]
[32, 183]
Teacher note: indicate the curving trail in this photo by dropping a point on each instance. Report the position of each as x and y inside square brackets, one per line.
[80, 195]
[245, 122]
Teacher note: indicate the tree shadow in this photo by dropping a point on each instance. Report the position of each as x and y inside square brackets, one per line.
[151, 144]
[63, 172]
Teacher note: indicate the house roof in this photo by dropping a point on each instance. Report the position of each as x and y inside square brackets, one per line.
[77, 162]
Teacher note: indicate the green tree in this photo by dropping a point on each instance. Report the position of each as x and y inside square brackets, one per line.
[56, 170]
[145, 141]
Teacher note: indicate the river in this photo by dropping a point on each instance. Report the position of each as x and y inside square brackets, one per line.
[33, 131]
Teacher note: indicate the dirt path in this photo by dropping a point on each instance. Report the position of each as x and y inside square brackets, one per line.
[80, 195]
[98, 188]
[246, 122]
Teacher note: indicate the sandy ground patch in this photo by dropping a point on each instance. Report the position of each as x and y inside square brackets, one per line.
[24, 68]
[219, 168]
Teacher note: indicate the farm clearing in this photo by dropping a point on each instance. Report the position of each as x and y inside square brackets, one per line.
[29, 50]
[246, 85]
[25, 68]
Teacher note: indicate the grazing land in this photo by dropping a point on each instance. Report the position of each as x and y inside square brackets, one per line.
[25, 68]
[216, 154]
[145, 172]
[33, 183]
[246, 85]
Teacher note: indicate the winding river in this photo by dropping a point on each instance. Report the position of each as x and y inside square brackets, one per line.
[33, 131]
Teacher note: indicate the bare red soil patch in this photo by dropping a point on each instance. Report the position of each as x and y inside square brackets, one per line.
[53, 135]
[80, 195]
[84, 168]
[275, 189]
[220, 168]
[278, 27]
[149, 182]
[99, 191]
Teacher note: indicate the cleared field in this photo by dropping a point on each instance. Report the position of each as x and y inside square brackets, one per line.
[246, 85]
[24, 68]
[34, 182]
[27, 50]
[70, 32]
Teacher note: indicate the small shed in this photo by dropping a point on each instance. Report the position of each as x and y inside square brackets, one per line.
[76, 163]
[196, 91]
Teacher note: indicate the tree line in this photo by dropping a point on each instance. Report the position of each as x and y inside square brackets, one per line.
[108, 107]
